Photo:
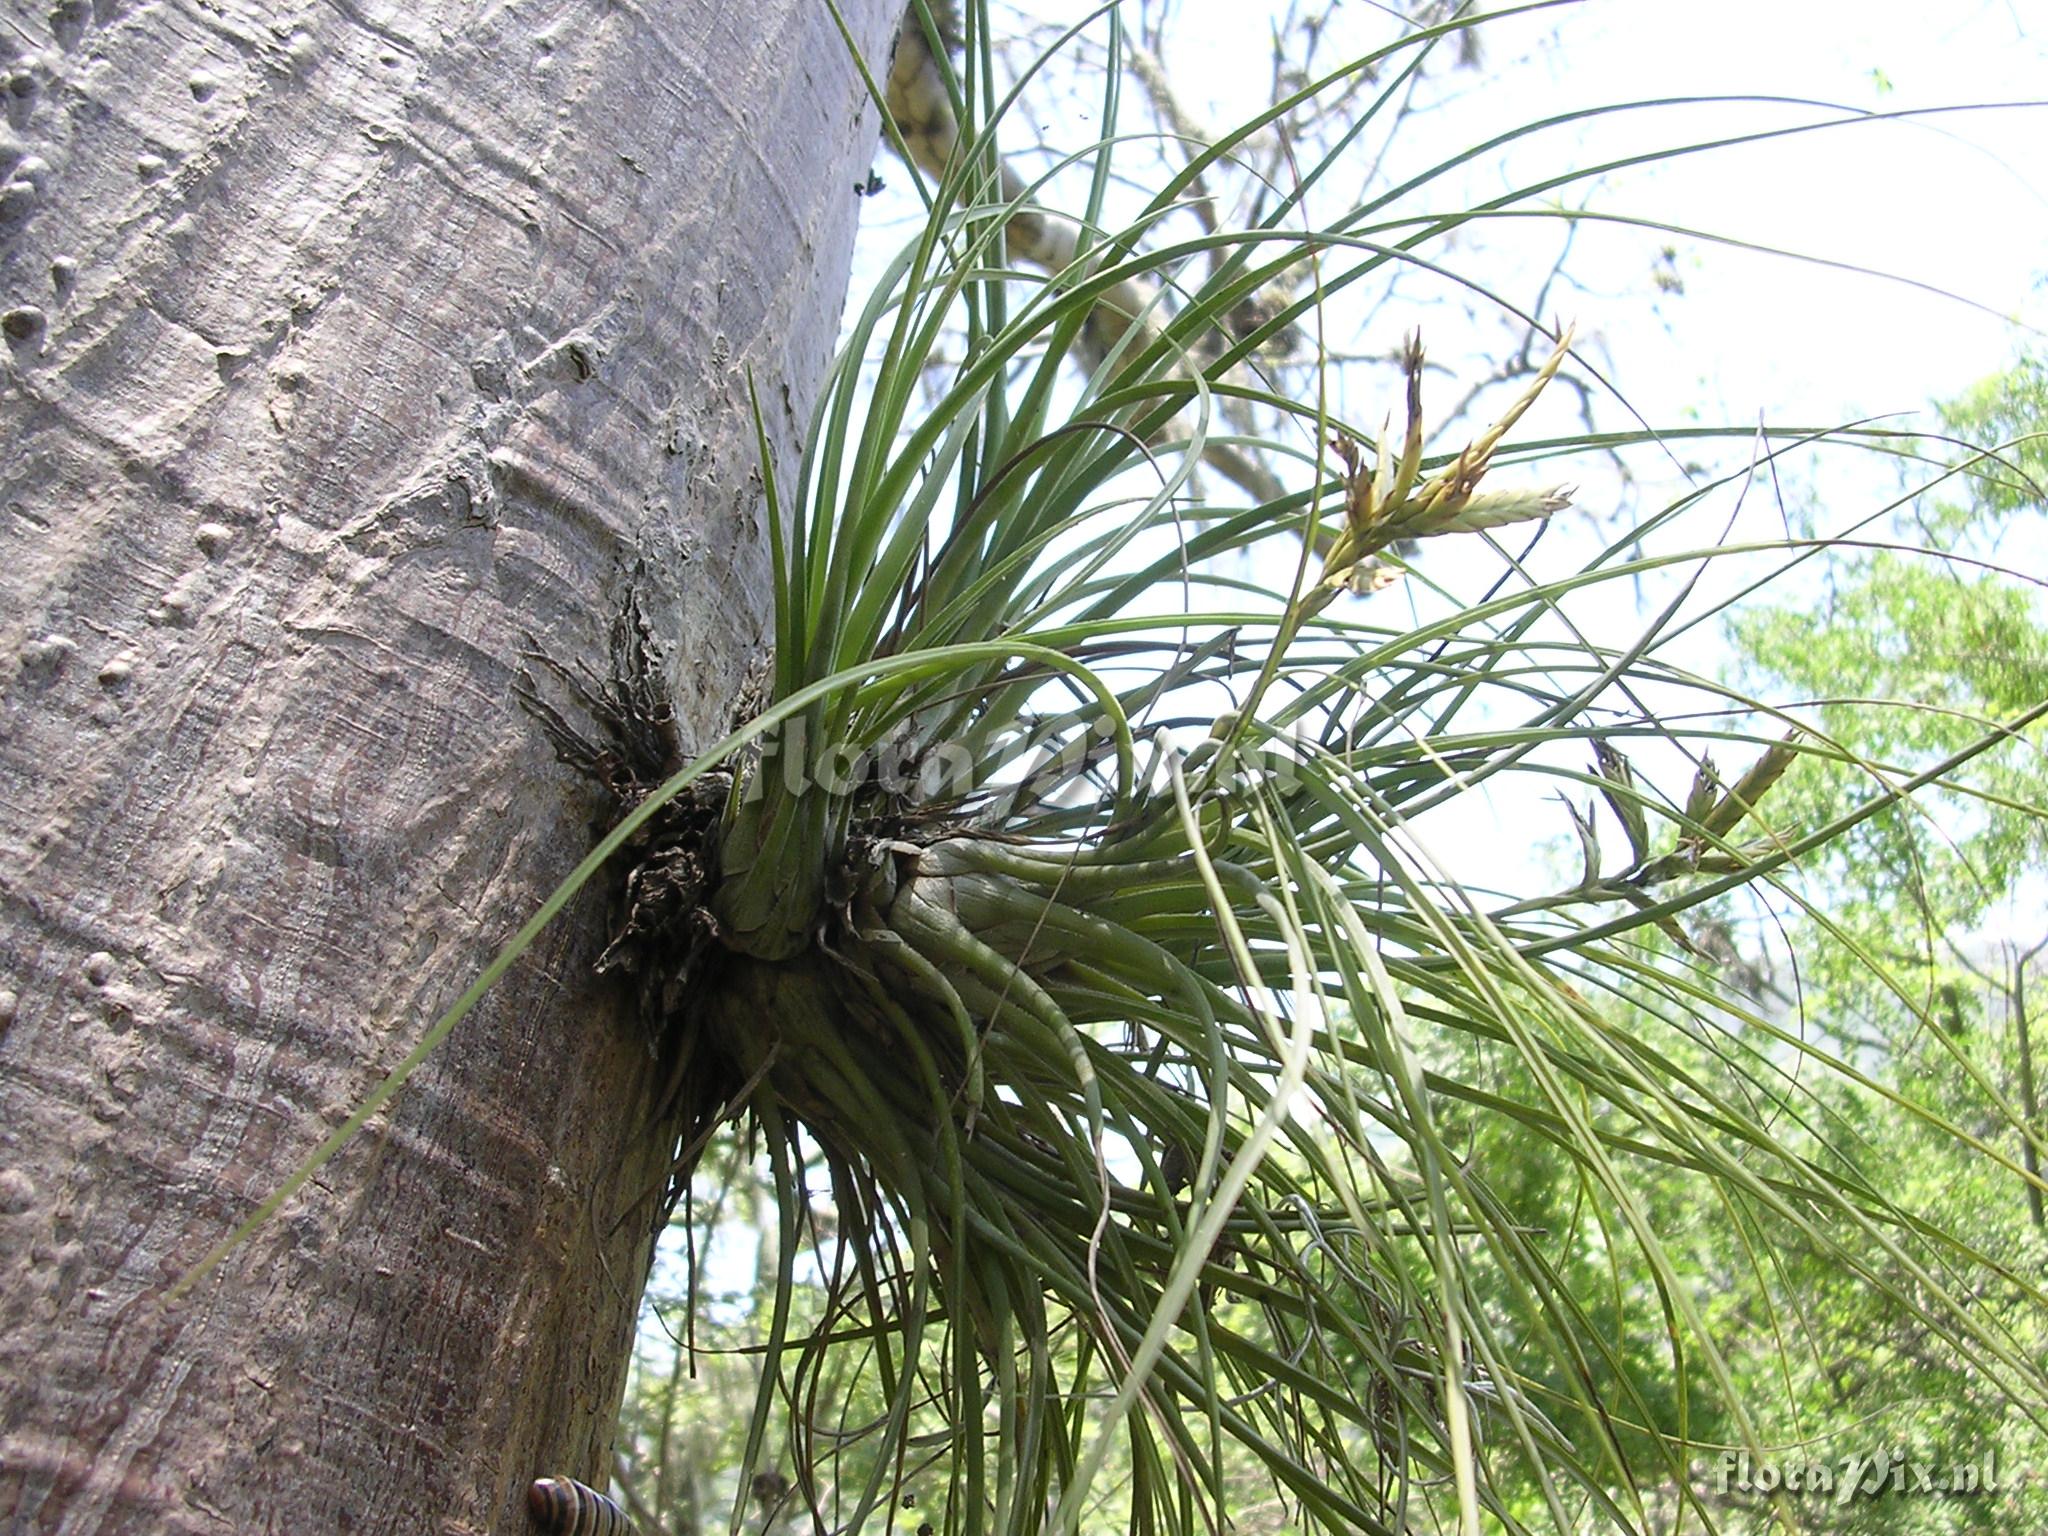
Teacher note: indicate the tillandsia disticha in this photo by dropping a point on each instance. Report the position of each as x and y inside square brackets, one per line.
[1089, 1035]
[974, 972]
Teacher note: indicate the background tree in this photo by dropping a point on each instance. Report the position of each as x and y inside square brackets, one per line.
[1946, 894]
[353, 357]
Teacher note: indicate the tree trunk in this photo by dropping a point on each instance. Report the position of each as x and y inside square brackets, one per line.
[352, 350]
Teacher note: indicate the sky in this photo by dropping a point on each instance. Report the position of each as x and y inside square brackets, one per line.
[1950, 208]
[1957, 201]
[1945, 213]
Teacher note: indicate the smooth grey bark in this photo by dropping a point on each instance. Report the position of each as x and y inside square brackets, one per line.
[350, 348]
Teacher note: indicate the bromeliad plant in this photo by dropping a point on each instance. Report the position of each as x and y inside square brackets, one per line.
[923, 986]
[1141, 1082]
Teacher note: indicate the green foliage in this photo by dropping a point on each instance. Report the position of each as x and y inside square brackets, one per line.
[2010, 484]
